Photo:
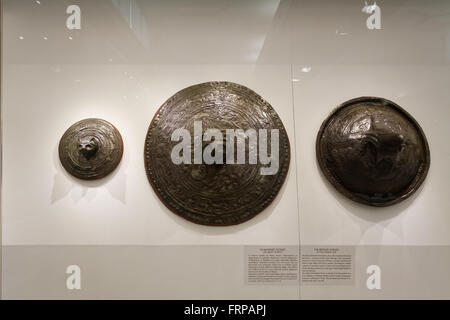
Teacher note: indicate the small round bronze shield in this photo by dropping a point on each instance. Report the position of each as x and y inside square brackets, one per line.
[373, 151]
[90, 149]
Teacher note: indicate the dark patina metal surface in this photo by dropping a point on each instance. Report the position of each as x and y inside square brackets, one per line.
[214, 194]
[373, 151]
[90, 149]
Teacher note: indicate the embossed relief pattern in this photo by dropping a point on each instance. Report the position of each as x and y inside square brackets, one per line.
[213, 194]
[373, 151]
[90, 149]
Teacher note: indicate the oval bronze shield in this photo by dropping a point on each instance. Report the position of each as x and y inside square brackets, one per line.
[373, 151]
[90, 149]
[214, 194]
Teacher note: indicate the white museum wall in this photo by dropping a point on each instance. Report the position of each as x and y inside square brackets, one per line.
[133, 272]
[304, 57]
[406, 61]
[122, 208]
[121, 66]
[327, 217]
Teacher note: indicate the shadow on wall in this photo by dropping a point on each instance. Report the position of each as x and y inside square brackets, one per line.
[369, 216]
[65, 184]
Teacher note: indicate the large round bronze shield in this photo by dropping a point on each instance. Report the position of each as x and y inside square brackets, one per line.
[373, 151]
[90, 149]
[225, 192]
